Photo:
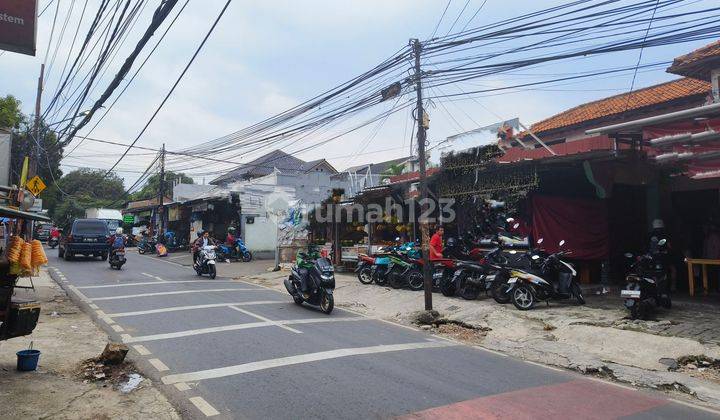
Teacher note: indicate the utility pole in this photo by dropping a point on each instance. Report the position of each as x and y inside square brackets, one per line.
[35, 157]
[421, 138]
[161, 193]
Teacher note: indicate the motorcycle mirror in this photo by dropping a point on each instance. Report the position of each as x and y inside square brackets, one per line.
[562, 242]
[516, 225]
[509, 220]
[535, 257]
[662, 242]
[513, 252]
[539, 241]
[628, 255]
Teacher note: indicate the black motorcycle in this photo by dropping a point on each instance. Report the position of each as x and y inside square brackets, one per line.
[146, 245]
[117, 258]
[554, 280]
[312, 280]
[53, 242]
[647, 283]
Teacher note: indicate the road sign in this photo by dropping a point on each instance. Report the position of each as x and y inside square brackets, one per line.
[129, 218]
[35, 185]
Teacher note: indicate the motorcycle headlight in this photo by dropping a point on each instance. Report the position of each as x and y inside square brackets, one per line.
[326, 275]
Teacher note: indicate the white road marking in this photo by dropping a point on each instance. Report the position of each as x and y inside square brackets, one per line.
[182, 386]
[142, 350]
[157, 364]
[146, 283]
[294, 360]
[175, 292]
[248, 325]
[191, 307]
[262, 318]
[205, 408]
[117, 328]
[93, 306]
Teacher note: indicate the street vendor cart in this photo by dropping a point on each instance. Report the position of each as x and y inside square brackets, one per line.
[18, 317]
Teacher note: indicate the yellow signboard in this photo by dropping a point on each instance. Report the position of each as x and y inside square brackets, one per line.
[36, 185]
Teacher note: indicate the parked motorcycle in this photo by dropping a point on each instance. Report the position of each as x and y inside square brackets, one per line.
[364, 268]
[554, 280]
[236, 253]
[53, 242]
[647, 283]
[312, 280]
[117, 258]
[146, 244]
[205, 263]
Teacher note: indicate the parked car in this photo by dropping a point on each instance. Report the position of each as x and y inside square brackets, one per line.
[42, 233]
[87, 237]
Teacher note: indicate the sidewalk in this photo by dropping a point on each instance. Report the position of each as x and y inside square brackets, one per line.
[66, 337]
[595, 339]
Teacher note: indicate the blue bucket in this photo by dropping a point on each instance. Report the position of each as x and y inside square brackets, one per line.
[27, 360]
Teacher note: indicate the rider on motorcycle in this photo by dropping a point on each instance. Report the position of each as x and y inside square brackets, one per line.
[55, 232]
[202, 240]
[117, 240]
[230, 238]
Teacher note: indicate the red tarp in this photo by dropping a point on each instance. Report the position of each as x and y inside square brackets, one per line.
[582, 223]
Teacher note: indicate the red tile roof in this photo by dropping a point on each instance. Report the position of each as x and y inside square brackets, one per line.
[614, 105]
[412, 176]
[687, 64]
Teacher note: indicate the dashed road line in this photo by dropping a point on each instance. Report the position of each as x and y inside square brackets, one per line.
[299, 359]
[187, 333]
[204, 407]
[149, 283]
[142, 350]
[175, 292]
[192, 307]
[157, 364]
[262, 318]
[182, 386]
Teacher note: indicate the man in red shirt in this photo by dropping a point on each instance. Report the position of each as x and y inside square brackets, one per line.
[436, 244]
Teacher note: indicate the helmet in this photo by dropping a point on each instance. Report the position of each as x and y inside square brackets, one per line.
[119, 231]
[450, 243]
[231, 229]
[658, 224]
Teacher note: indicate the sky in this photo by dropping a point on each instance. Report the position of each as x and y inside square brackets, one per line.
[267, 56]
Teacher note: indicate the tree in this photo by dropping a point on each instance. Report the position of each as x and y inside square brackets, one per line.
[150, 189]
[82, 189]
[392, 170]
[10, 115]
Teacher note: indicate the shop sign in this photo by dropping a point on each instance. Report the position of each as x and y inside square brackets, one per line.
[18, 26]
[129, 219]
[200, 207]
[173, 214]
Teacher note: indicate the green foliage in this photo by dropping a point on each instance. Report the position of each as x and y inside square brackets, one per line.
[392, 170]
[150, 189]
[83, 189]
[49, 154]
[10, 115]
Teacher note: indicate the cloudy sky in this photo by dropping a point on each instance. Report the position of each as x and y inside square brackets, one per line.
[267, 56]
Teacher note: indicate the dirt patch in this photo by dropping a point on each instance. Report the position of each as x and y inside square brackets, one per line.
[700, 366]
[472, 336]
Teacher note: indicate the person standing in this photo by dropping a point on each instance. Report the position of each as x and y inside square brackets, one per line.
[436, 244]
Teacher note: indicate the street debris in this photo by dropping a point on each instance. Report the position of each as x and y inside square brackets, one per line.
[133, 381]
[114, 354]
[110, 366]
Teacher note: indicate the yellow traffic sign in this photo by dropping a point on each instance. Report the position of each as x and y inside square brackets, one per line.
[36, 185]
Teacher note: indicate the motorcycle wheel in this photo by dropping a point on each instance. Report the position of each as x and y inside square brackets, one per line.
[469, 293]
[327, 303]
[500, 292]
[667, 303]
[577, 292]
[415, 280]
[447, 288]
[67, 255]
[365, 276]
[198, 271]
[396, 281]
[523, 297]
[141, 250]
[247, 257]
[637, 311]
[298, 300]
[212, 271]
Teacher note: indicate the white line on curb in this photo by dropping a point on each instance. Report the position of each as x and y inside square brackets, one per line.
[157, 364]
[205, 408]
[302, 358]
[142, 350]
[176, 292]
[117, 328]
[182, 386]
[187, 333]
[191, 307]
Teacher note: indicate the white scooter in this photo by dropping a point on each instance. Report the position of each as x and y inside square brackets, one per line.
[205, 263]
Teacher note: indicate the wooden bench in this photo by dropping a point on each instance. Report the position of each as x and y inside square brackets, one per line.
[691, 276]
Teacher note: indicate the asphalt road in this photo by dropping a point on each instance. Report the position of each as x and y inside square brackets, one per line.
[228, 349]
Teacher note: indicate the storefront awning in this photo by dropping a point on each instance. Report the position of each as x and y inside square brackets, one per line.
[14, 214]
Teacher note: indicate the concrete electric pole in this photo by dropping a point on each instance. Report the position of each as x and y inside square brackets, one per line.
[421, 139]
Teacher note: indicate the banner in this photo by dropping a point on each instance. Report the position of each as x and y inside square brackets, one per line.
[18, 26]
